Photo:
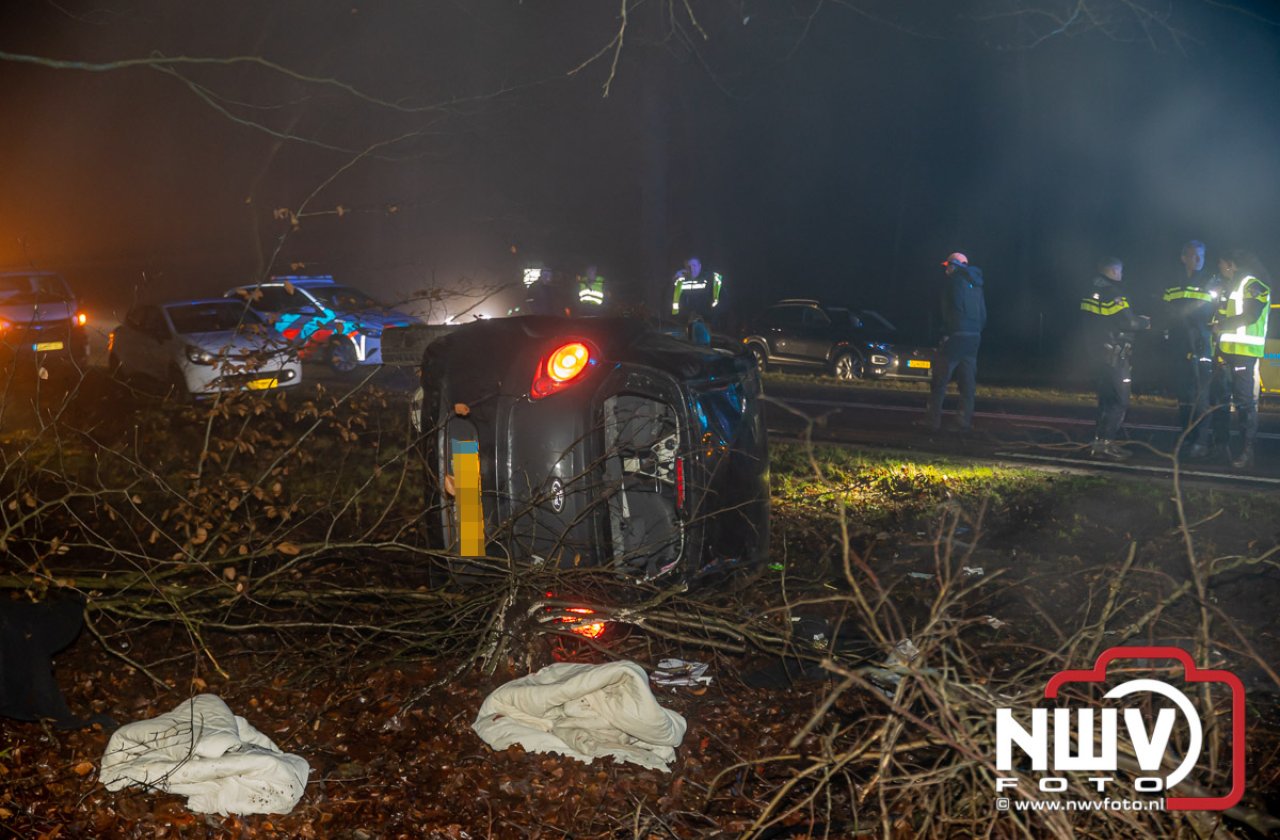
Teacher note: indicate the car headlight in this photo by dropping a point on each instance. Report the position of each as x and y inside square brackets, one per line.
[199, 356]
[879, 361]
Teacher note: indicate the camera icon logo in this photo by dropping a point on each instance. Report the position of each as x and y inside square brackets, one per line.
[1096, 731]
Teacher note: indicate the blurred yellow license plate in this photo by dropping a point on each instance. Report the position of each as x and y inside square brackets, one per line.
[47, 345]
[263, 384]
[918, 363]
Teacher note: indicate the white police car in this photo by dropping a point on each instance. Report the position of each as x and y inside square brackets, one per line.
[328, 321]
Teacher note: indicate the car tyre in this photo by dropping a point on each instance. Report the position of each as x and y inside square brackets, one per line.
[342, 356]
[848, 367]
[761, 357]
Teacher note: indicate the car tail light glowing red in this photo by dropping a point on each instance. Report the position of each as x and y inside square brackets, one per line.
[560, 368]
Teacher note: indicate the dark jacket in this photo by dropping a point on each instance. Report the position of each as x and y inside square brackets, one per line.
[1110, 324]
[1192, 306]
[964, 309]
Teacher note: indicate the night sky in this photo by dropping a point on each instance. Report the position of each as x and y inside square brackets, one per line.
[839, 150]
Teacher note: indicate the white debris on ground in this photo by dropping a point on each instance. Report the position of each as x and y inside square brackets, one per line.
[585, 712]
[215, 758]
[680, 672]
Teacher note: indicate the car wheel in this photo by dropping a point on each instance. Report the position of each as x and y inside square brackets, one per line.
[757, 353]
[847, 367]
[342, 356]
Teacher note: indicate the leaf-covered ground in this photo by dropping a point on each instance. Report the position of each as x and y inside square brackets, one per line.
[983, 567]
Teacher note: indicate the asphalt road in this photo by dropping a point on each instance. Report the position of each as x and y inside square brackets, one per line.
[1046, 431]
[1043, 431]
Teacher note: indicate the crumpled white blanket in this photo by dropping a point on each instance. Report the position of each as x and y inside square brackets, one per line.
[215, 758]
[583, 711]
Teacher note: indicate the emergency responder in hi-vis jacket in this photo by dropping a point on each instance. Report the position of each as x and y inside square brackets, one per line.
[542, 297]
[591, 300]
[1191, 306]
[1240, 330]
[695, 298]
[1110, 326]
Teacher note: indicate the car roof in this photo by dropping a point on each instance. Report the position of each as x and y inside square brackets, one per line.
[196, 302]
[303, 279]
[297, 280]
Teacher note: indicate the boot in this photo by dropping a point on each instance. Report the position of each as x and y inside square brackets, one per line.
[1244, 461]
[1108, 450]
[1116, 452]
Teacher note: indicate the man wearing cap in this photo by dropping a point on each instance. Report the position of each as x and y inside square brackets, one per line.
[964, 314]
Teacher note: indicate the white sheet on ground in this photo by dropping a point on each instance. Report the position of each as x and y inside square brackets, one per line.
[583, 711]
[215, 758]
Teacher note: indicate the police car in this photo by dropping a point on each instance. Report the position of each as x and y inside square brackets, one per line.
[328, 321]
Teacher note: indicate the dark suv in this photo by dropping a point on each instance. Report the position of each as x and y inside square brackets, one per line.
[847, 343]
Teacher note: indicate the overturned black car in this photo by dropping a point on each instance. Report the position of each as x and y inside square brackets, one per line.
[593, 442]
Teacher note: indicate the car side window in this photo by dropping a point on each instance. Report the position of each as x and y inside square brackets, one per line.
[786, 317]
[278, 299]
[816, 318]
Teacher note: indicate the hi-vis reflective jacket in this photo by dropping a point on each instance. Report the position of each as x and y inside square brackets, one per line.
[696, 295]
[1109, 321]
[591, 290]
[1243, 333]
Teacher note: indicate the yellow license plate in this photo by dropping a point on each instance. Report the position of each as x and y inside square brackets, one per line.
[47, 345]
[918, 363]
[263, 384]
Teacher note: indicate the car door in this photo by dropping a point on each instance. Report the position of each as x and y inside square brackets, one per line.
[134, 345]
[812, 342]
[782, 330]
[155, 344]
[294, 314]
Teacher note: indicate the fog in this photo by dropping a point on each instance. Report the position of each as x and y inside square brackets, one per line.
[839, 156]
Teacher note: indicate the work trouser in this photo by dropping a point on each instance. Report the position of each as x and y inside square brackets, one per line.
[957, 355]
[1195, 372]
[1235, 381]
[1114, 382]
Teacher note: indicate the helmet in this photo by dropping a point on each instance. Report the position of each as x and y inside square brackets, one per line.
[956, 257]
